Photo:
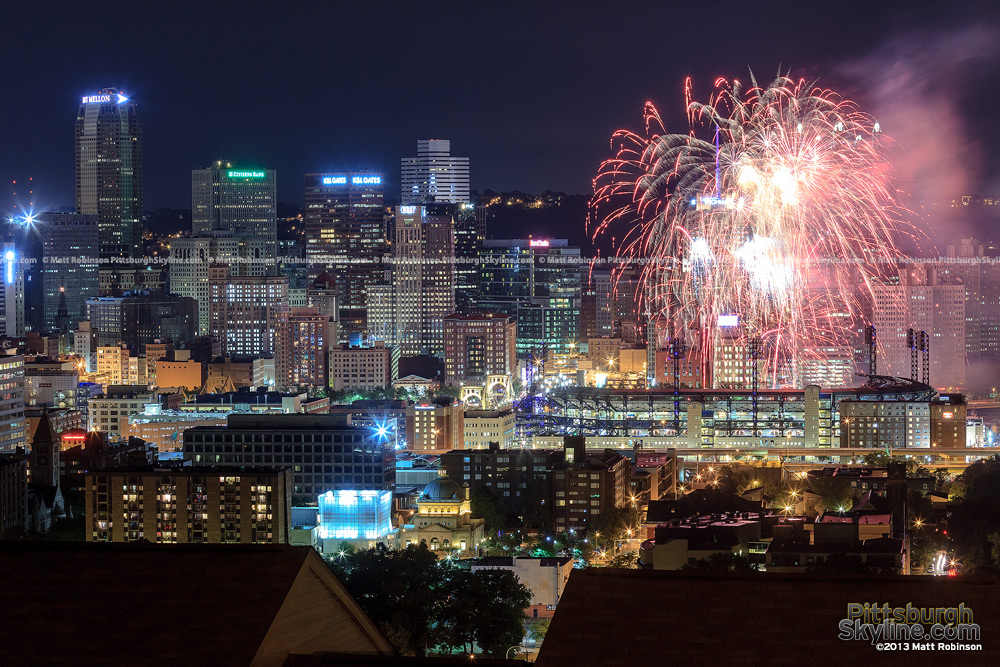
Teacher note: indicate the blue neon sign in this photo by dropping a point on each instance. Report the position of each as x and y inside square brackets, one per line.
[9, 266]
[335, 180]
[366, 180]
[407, 210]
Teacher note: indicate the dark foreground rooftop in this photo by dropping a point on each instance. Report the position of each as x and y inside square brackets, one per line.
[101, 604]
[635, 617]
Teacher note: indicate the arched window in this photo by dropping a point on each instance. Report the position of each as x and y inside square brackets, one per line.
[447, 543]
[434, 543]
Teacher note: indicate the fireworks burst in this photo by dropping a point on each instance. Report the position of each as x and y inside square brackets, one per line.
[778, 205]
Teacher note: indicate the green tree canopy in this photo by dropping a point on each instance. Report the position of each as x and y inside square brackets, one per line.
[835, 493]
[486, 505]
[422, 604]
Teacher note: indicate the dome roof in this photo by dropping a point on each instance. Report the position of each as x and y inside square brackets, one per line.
[443, 488]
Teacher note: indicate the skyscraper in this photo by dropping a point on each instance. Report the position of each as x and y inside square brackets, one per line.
[434, 175]
[423, 276]
[62, 252]
[191, 258]
[12, 302]
[925, 301]
[241, 200]
[470, 232]
[538, 282]
[109, 170]
[345, 233]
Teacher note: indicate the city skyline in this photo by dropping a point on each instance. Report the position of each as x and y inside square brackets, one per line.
[523, 129]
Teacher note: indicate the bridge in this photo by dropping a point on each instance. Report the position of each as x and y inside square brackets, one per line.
[954, 459]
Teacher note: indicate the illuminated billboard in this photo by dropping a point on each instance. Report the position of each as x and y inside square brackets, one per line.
[729, 320]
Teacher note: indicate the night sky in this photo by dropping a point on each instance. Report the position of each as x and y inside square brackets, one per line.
[530, 94]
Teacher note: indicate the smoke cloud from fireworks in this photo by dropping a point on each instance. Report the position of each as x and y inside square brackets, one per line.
[914, 85]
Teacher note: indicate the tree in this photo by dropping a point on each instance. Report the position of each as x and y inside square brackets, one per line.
[877, 459]
[613, 524]
[628, 560]
[723, 562]
[484, 609]
[486, 505]
[835, 493]
[537, 629]
[400, 590]
[453, 392]
[737, 479]
[849, 564]
[535, 509]
[976, 518]
[780, 494]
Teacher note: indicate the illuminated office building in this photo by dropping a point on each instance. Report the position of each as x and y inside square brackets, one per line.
[924, 299]
[423, 276]
[538, 282]
[191, 258]
[325, 452]
[470, 233]
[434, 175]
[109, 170]
[243, 310]
[13, 424]
[345, 235]
[478, 345]
[241, 200]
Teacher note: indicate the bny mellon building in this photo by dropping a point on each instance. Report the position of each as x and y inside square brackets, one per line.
[109, 170]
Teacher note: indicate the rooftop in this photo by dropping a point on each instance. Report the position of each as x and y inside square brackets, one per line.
[175, 604]
[639, 617]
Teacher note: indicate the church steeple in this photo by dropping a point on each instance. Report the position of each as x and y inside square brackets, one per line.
[44, 459]
[62, 315]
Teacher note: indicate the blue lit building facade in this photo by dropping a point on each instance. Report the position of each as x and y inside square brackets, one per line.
[355, 515]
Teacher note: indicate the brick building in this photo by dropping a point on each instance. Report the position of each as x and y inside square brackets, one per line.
[186, 505]
[478, 345]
